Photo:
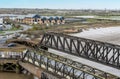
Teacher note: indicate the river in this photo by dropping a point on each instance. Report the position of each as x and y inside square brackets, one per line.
[7, 75]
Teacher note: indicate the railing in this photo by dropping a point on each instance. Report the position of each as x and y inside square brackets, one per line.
[11, 55]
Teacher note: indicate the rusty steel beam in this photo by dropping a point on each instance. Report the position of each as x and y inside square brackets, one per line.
[24, 42]
[8, 65]
[31, 68]
[38, 72]
[13, 49]
[5, 60]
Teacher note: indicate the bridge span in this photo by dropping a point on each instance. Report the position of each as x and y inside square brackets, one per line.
[17, 61]
[102, 52]
[57, 63]
[44, 64]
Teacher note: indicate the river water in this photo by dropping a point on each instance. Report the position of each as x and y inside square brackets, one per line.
[7, 75]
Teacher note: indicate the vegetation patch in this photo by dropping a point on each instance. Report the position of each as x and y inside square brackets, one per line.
[1, 32]
[15, 27]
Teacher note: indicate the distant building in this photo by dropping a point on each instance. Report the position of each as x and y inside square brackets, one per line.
[1, 21]
[20, 19]
[8, 16]
[37, 19]
[33, 19]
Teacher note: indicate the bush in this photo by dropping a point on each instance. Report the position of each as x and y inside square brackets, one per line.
[35, 28]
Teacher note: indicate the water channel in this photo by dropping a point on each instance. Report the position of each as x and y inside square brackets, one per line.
[9, 75]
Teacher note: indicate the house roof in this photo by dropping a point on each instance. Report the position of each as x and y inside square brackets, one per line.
[21, 16]
[55, 17]
[43, 17]
[61, 17]
[50, 18]
[32, 15]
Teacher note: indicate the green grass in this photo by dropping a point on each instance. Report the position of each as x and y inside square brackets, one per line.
[1, 32]
[14, 29]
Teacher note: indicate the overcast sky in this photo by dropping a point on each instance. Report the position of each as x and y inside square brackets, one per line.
[61, 4]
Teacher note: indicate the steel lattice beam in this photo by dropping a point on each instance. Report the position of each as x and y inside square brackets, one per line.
[101, 52]
[64, 67]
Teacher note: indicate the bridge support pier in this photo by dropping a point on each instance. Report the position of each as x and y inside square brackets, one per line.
[36, 77]
[30, 75]
[17, 68]
[9, 65]
[1, 67]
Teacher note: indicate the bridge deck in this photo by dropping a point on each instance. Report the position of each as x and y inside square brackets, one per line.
[20, 49]
[2, 61]
[37, 71]
[17, 48]
[99, 66]
[31, 68]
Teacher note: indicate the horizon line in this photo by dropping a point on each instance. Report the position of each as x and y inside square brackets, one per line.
[61, 8]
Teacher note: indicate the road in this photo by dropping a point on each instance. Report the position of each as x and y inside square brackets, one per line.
[3, 37]
[26, 27]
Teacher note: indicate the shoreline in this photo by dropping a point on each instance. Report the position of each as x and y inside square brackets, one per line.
[80, 28]
[68, 29]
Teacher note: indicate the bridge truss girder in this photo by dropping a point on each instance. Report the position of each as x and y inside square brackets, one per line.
[101, 52]
[64, 67]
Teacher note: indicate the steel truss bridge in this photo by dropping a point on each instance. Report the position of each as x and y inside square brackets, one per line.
[64, 67]
[101, 52]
